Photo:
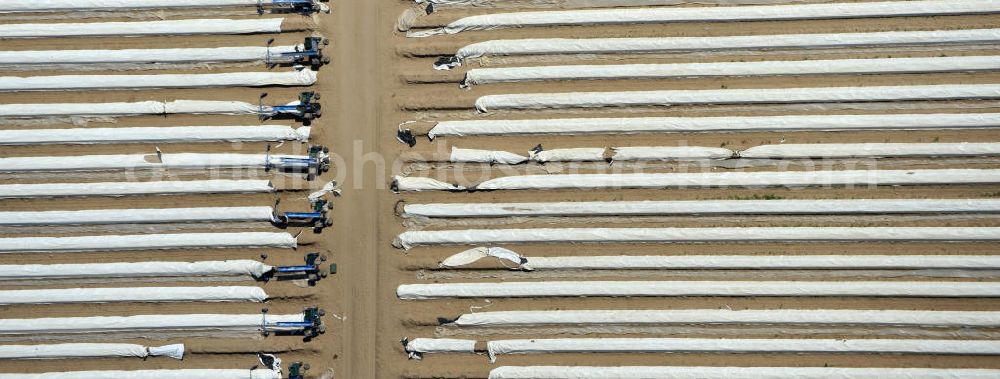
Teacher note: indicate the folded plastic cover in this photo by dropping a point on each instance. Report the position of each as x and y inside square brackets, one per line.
[136, 294]
[109, 324]
[137, 56]
[669, 153]
[746, 179]
[146, 242]
[192, 161]
[690, 345]
[712, 14]
[417, 184]
[440, 345]
[764, 68]
[695, 288]
[133, 270]
[544, 46]
[173, 134]
[485, 156]
[847, 150]
[143, 28]
[572, 126]
[89, 350]
[695, 372]
[737, 96]
[138, 216]
[128, 109]
[154, 374]
[727, 316]
[78, 5]
[8, 191]
[113, 82]
[703, 207]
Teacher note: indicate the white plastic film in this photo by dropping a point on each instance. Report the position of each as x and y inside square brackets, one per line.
[112, 324]
[114, 189]
[135, 294]
[142, 28]
[696, 288]
[133, 270]
[89, 350]
[714, 14]
[174, 134]
[703, 207]
[765, 262]
[82, 5]
[669, 153]
[129, 109]
[440, 345]
[146, 242]
[154, 81]
[485, 156]
[695, 372]
[189, 161]
[848, 150]
[417, 184]
[154, 374]
[489, 103]
[571, 126]
[137, 216]
[583, 154]
[142, 56]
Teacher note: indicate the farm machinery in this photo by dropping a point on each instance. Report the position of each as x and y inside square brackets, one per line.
[310, 326]
[312, 165]
[306, 108]
[303, 7]
[309, 54]
[311, 270]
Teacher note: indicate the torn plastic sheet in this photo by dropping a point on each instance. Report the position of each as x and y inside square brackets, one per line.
[146, 242]
[720, 345]
[485, 156]
[696, 288]
[144, 323]
[155, 374]
[848, 150]
[727, 316]
[136, 294]
[130, 109]
[143, 56]
[746, 179]
[573, 126]
[713, 14]
[172, 134]
[89, 350]
[409, 239]
[764, 68]
[695, 372]
[137, 216]
[488, 103]
[114, 189]
[142, 28]
[550, 46]
[702, 207]
[133, 270]
[417, 184]
[154, 81]
[190, 161]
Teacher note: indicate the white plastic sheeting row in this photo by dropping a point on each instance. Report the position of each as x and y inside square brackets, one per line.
[701, 372]
[129, 109]
[113, 82]
[850, 150]
[418, 184]
[764, 68]
[183, 161]
[410, 239]
[78, 5]
[114, 189]
[489, 103]
[696, 288]
[139, 56]
[173, 134]
[728, 316]
[111, 324]
[685, 44]
[89, 350]
[516, 261]
[702, 207]
[714, 14]
[137, 216]
[142, 28]
[746, 179]
[154, 374]
[634, 125]
[146, 242]
[136, 294]
[133, 270]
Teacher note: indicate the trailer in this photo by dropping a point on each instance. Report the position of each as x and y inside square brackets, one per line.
[309, 54]
[310, 326]
[311, 270]
[306, 108]
[303, 7]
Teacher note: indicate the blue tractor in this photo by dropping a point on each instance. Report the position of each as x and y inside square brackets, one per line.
[309, 54]
[303, 7]
[307, 108]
